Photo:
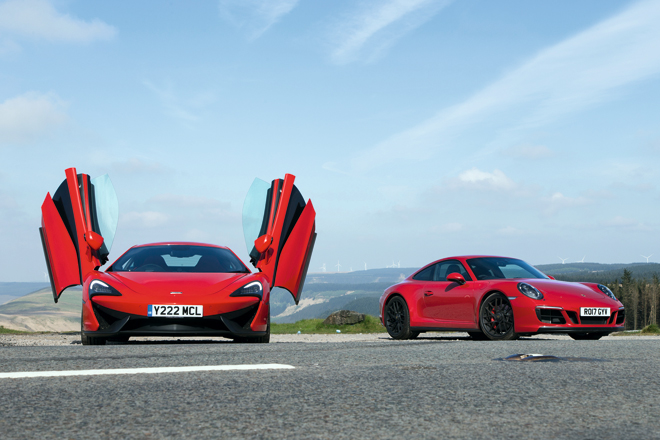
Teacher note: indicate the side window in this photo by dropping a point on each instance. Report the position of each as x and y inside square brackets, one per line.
[447, 267]
[426, 274]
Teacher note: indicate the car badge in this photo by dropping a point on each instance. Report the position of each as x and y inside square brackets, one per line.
[176, 293]
[580, 294]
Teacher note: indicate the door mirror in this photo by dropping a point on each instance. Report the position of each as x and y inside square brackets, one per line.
[94, 240]
[551, 277]
[456, 278]
[263, 243]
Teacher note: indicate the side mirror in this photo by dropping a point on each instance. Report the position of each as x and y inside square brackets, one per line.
[456, 278]
[94, 240]
[551, 277]
[263, 243]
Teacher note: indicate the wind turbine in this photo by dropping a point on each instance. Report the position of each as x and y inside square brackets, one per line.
[647, 258]
[582, 260]
[338, 266]
[323, 267]
[46, 276]
[398, 264]
[365, 265]
[563, 260]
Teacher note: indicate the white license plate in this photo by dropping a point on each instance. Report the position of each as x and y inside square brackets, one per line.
[594, 311]
[178, 311]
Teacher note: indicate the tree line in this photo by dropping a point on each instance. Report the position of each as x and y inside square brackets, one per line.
[640, 297]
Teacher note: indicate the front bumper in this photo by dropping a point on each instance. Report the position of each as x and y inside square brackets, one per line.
[113, 323]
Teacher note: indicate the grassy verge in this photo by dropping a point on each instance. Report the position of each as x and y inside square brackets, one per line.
[8, 331]
[370, 324]
[649, 330]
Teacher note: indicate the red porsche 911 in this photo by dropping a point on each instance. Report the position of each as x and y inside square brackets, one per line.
[175, 288]
[497, 298]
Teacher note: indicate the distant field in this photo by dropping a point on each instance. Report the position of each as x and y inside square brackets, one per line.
[38, 312]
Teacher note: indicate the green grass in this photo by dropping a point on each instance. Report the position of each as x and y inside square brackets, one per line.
[6, 331]
[371, 324]
[649, 330]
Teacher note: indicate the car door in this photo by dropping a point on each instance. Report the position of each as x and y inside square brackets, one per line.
[280, 231]
[447, 300]
[78, 225]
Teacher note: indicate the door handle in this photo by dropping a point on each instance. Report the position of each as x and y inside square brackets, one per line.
[428, 293]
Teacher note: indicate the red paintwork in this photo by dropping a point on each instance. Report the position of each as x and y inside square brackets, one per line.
[287, 266]
[60, 249]
[289, 274]
[449, 305]
[74, 260]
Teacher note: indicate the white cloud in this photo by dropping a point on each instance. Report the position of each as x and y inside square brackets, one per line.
[255, 16]
[378, 24]
[185, 109]
[483, 180]
[574, 74]
[27, 117]
[38, 19]
[144, 219]
[8, 46]
[626, 223]
[557, 201]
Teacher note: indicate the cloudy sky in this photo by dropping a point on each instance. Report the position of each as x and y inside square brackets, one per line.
[419, 128]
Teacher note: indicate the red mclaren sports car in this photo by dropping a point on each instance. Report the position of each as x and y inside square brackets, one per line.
[497, 298]
[175, 288]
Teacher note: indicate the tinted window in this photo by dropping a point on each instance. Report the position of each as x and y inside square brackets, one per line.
[426, 274]
[179, 258]
[447, 267]
[492, 268]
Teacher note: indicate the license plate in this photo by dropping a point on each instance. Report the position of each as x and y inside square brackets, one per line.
[594, 311]
[170, 311]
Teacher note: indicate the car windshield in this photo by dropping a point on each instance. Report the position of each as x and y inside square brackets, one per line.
[179, 258]
[493, 268]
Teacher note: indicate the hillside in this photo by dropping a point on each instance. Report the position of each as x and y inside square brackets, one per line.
[38, 312]
[9, 291]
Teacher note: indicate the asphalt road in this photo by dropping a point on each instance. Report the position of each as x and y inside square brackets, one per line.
[429, 388]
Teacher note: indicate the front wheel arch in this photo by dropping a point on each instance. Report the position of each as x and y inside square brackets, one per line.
[488, 333]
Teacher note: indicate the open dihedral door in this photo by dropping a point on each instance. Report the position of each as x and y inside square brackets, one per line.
[280, 232]
[78, 226]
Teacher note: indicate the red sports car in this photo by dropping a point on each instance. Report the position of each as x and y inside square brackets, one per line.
[497, 298]
[175, 288]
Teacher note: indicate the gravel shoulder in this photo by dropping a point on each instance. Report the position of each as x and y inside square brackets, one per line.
[68, 339]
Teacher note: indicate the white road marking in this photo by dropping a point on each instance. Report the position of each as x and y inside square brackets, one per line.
[155, 370]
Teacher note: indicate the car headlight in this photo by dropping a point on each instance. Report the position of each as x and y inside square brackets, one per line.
[98, 287]
[606, 290]
[530, 291]
[251, 289]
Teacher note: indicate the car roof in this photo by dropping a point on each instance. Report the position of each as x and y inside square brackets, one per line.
[179, 243]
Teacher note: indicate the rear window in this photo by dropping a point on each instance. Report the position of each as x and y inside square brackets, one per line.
[179, 258]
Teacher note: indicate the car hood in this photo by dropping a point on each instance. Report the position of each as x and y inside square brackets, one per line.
[151, 283]
[554, 289]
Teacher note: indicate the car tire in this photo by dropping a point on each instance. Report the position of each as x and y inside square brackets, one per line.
[586, 336]
[478, 336]
[89, 340]
[265, 339]
[397, 319]
[496, 318]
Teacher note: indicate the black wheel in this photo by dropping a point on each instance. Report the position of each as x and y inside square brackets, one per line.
[397, 319]
[586, 336]
[496, 318]
[477, 336]
[265, 339]
[89, 340]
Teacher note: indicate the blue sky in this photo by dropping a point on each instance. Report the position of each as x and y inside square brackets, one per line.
[420, 129]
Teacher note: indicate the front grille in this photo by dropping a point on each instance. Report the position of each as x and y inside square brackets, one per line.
[611, 320]
[593, 320]
[573, 316]
[550, 316]
[620, 317]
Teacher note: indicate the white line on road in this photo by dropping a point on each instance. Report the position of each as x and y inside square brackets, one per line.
[154, 370]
